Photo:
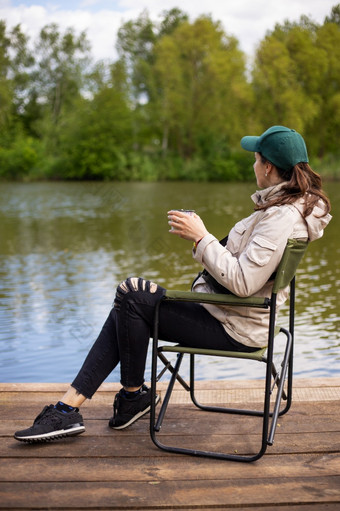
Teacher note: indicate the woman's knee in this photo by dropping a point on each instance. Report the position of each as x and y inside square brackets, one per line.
[133, 285]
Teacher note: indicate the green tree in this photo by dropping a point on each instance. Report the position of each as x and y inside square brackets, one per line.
[324, 131]
[18, 153]
[6, 89]
[96, 138]
[135, 41]
[57, 80]
[172, 19]
[136, 47]
[296, 80]
[334, 16]
[202, 89]
[286, 76]
[21, 64]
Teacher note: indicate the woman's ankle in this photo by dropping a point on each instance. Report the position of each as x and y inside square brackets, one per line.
[73, 398]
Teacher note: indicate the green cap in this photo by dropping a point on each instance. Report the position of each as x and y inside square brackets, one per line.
[280, 145]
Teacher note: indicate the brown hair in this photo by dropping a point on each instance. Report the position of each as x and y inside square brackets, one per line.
[301, 181]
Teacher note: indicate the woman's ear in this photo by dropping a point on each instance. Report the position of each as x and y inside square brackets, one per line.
[269, 167]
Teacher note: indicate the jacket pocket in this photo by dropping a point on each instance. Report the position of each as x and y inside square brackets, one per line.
[260, 250]
[235, 236]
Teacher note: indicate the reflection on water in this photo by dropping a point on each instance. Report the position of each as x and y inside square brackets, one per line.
[65, 246]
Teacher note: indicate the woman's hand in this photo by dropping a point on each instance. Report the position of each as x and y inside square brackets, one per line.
[190, 227]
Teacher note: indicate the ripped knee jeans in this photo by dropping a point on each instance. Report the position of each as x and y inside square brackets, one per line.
[133, 285]
[134, 304]
[124, 338]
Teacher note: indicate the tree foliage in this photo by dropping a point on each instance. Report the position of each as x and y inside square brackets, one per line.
[6, 92]
[200, 77]
[296, 80]
[174, 105]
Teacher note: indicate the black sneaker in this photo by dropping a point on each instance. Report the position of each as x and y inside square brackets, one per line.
[51, 424]
[127, 410]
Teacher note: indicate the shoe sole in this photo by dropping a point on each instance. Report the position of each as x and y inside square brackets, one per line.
[137, 416]
[53, 435]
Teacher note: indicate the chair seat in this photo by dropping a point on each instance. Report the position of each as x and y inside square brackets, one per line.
[257, 355]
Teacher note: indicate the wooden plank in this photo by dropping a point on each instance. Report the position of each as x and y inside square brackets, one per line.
[103, 409]
[313, 506]
[317, 506]
[192, 424]
[179, 396]
[205, 384]
[162, 469]
[121, 444]
[198, 422]
[165, 494]
[302, 507]
[301, 418]
[326, 388]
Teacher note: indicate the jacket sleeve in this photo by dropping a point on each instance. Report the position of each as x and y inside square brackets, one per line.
[246, 272]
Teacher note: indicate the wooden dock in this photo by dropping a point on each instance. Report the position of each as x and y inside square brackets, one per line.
[122, 470]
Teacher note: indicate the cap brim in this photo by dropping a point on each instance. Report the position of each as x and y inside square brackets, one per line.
[250, 143]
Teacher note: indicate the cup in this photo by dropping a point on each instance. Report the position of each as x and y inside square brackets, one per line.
[186, 211]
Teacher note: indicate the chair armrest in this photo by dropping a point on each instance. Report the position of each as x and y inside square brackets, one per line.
[217, 299]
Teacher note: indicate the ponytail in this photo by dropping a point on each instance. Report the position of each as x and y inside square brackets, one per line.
[300, 182]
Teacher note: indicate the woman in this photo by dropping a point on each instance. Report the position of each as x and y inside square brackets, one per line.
[291, 204]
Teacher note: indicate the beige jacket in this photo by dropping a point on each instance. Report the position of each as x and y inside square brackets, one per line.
[253, 251]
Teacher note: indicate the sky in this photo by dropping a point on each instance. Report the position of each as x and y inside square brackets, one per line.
[247, 20]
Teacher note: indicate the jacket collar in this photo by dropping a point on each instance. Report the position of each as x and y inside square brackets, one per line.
[262, 196]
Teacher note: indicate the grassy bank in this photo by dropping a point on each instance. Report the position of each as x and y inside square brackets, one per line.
[31, 165]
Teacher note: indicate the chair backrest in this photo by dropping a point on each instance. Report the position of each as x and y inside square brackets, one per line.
[291, 258]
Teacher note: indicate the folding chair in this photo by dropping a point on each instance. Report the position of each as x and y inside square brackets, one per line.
[285, 276]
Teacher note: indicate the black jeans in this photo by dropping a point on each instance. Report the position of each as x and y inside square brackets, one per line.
[126, 333]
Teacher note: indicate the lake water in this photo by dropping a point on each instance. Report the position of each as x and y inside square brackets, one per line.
[64, 247]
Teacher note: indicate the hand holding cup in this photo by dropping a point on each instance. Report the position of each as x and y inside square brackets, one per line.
[186, 224]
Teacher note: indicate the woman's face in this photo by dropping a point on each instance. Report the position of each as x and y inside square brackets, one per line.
[260, 172]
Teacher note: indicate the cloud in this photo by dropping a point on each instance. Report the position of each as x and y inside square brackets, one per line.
[101, 27]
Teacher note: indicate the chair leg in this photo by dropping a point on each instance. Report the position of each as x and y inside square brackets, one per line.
[168, 393]
[288, 369]
[285, 366]
[169, 367]
[277, 380]
[156, 427]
